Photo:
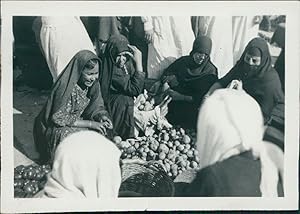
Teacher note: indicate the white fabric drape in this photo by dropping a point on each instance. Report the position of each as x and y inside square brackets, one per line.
[230, 122]
[86, 165]
[60, 39]
[173, 37]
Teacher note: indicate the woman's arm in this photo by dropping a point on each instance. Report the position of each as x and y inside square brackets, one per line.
[178, 96]
[97, 126]
[131, 86]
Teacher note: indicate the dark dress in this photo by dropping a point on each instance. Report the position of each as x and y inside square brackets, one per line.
[190, 80]
[66, 104]
[238, 176]
[263, 85]
[119, 86]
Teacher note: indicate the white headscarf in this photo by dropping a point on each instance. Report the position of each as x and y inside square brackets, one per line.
[230, 122]
[86, 164]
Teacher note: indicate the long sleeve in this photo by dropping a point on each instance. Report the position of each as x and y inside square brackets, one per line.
[131, 85]
[231, 75]
[204, 85]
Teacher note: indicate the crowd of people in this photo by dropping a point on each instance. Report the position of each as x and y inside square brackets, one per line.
[222, 84]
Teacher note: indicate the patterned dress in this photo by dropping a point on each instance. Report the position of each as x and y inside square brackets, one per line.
[66, 116]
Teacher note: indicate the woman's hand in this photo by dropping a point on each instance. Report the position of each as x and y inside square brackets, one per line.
[106, 121]
[236, 84]
[137, 57]
[100, 127]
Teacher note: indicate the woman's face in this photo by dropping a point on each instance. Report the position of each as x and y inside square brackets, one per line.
[252, 60]
[89, 76]
[252, 64]
[199, 58]
[121, 59]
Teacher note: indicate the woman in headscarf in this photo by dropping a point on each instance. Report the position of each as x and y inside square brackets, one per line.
[233, 158]
[75, 103]
[122, 79]
[169, 38]
[189, 78]
[258, 77]
[86, 165]
[221, 51]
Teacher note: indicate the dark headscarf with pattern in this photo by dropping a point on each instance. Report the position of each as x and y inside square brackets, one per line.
[61, 92]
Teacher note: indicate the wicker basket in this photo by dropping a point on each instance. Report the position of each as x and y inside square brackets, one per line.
[146, 180]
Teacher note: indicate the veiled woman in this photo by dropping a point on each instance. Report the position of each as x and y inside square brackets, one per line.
[259, 79]
[75, 104]
[189, 78]
[122, 79]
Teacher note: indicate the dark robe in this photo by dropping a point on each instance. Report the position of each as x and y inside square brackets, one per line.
[263, 84]
[237, 176]
[45, 130]
[119, 87]
[191, 80]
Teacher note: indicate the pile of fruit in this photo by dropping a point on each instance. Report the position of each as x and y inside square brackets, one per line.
[174, 148]
[29, 180]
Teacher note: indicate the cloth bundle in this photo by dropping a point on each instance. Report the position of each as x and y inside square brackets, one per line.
[149, 117]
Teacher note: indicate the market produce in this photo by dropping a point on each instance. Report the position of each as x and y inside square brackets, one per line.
[173, 148]
[28, 180]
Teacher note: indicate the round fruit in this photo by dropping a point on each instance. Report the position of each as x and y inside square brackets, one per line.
[170, 144]
[130, 150]
[175, 172]
[17, 176]
[185, 157]
[186, 139]
[29, 188]
[162, 155]
[181, 130]
[117, 139]
[166, 137]
[194, 164]
[163, 148]
[146, 149]
[177, 143]
[190, 154]
[184, 151]
[180, 148]
[196, 152]
[187, 146]
[20, 168]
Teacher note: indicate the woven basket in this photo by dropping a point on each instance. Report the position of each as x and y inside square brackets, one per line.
[146, 180]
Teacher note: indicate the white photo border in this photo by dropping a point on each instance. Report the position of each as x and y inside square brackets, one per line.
[135, 8]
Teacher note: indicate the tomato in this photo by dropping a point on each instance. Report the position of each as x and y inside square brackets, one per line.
[29, 188]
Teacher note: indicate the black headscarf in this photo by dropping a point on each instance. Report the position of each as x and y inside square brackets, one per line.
[263, 83]
[188, 70]
[115, 45]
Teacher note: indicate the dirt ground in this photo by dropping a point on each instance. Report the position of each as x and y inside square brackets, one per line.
[27, 103]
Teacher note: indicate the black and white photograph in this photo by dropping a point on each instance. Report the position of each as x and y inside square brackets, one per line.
[138, 108]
